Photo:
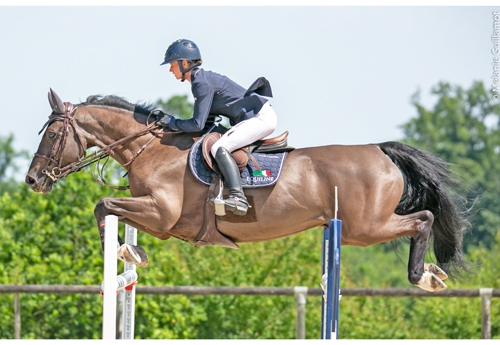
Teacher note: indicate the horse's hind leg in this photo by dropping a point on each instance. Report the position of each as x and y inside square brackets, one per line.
[426, 276]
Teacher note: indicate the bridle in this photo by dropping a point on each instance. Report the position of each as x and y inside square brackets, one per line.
[55, 155]
[58, 171]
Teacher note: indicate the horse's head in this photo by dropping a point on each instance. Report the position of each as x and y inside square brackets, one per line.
[59, 148]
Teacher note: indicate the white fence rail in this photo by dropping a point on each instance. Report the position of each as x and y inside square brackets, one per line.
[300, 293]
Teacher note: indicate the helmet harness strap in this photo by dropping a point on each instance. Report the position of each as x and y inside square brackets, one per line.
[185, 70]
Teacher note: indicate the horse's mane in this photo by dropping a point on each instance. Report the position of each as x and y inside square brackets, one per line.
[119, 102]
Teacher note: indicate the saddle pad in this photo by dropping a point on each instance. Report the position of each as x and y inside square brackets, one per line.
[270, 163]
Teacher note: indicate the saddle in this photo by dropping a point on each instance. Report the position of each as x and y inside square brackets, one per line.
[242, 155]
[209, 235]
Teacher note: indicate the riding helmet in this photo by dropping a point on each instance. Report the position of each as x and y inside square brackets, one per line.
[182, 49]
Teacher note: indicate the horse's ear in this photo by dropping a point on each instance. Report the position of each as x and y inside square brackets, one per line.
[56, 103]
[50, 102]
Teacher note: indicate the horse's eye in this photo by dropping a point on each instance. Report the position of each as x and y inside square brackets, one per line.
[52, 135]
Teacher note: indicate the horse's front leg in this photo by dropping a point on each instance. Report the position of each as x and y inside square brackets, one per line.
[141, 213]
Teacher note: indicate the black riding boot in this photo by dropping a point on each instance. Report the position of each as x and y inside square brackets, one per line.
[237, 202]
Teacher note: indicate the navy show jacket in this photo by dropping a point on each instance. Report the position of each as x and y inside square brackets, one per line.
[216, 94]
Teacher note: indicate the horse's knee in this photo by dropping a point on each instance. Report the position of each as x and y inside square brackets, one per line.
[100, 210]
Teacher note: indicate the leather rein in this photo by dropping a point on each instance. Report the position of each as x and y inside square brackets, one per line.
[58, 171]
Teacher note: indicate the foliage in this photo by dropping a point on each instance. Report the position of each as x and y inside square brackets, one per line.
[463, 129]
[178, 106]
[8, 163]
[7, 155]
[420, 318]
[51, 239]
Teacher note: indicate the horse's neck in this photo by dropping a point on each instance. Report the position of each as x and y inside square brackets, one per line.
[102, 126]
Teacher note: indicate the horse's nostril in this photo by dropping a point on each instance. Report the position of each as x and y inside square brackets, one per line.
[30, 180]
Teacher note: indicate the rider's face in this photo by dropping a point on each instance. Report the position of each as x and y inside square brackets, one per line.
[175, 70]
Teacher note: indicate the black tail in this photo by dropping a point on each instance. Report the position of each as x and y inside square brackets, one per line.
[429, 186]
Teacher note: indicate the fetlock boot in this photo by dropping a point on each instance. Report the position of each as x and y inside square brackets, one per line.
[236, 202]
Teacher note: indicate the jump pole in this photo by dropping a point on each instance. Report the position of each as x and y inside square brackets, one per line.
[113, 283]
[332, 239]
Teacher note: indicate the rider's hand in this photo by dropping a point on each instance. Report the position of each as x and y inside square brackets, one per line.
[164, 121]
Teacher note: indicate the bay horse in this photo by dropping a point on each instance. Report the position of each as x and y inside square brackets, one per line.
[385, 191]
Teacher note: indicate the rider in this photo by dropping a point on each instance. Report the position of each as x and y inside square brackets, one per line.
[249, 113]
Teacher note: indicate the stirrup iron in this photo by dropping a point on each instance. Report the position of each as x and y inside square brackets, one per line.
[220, 208]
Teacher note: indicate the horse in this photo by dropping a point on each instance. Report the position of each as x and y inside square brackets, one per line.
[386, 191]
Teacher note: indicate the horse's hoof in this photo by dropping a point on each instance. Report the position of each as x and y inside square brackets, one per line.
[429, 267]
[431, 282]
[131, 254]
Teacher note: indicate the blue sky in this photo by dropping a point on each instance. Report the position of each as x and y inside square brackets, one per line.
[339, 74]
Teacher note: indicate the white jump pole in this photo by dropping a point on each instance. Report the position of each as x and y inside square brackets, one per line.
[114, 284]
[110, 273]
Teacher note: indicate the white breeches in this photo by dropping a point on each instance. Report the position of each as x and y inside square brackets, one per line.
[248, 131]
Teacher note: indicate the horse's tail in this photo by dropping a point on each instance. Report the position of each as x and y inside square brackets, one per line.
[429, 185]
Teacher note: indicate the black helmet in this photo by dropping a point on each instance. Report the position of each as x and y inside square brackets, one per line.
[183, 50]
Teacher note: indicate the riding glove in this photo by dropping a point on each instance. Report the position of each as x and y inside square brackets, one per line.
[165, 120]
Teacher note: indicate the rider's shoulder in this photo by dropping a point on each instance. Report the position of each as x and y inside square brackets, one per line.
[204, 80]
[201, 75]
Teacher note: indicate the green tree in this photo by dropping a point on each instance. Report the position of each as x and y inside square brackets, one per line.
[463, 129]
[9, 159]
[7, 156]
[178, 106]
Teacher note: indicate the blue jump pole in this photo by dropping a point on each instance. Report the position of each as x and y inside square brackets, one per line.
[332, 237]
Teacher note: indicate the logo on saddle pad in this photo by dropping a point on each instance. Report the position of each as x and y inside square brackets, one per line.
[260, 176]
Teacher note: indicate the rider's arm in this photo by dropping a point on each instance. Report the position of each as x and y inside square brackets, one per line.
[203, 97]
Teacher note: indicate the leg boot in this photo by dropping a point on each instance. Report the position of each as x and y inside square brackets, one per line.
[237, 202]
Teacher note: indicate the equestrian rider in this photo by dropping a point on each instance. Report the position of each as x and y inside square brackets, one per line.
[249, 113]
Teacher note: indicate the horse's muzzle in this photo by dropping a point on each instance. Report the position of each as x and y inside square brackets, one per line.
[41, 185]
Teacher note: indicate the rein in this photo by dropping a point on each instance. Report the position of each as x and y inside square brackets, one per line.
[58, 172]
